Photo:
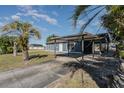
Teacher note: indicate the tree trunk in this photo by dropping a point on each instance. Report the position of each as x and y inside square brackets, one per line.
[117, 81]
[25, 55]
[15, 49]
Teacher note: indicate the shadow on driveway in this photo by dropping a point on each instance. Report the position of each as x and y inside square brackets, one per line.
[99, 71]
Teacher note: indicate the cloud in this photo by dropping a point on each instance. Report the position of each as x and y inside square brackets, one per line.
[6, 18]
[80, 22]
[1, 24]
[96, 23]
[46, 18]
[19, 14]
[44, 29]
[24, 8]
[55, 13]
[15, 17]
[35, 14]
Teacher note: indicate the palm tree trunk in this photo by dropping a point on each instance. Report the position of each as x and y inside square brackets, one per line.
[15, 49]
[25, 55]
[117, 81]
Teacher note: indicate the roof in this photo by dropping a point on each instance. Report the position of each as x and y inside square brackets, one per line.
[105, 36]
[36, 45]
[75, 37]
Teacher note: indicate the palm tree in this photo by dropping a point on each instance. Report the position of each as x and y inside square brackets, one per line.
[113, 20]
[24, 31]
[82, 11]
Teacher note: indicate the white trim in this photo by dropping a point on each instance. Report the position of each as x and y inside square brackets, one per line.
[60, 47]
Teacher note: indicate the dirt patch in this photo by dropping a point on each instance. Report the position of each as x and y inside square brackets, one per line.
[74, 82]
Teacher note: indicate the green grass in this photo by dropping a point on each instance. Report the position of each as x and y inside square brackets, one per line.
[8, 61]
[122, 53]
[75, 81]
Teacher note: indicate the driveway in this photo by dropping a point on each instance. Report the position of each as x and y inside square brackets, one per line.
[37, 76]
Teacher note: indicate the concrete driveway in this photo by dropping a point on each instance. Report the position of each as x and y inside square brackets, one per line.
[37, 76]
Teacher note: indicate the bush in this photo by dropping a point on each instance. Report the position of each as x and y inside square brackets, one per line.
[9, 49]
[1, 51]
[6, 44]
[121, 53]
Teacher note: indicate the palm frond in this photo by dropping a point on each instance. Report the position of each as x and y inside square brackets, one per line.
[89, 11]
[90, 20]
[6, 27]
[34, 32]
[12, 26]
[78, 11]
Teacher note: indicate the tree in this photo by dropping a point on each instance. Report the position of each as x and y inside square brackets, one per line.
[24, 31]
[15, 48]
[113, 20]
[6, 44]
[115, 26]
[83, 11]
[50, 37]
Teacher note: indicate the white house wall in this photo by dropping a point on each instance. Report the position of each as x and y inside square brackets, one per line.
[60, 47]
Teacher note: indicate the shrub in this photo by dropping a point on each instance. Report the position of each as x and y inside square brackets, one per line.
[6, 44]
[122, 54]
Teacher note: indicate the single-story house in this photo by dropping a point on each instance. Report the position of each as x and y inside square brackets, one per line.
[36, 46]
[78, 43]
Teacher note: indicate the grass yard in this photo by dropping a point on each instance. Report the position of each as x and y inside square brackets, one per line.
[122, 53]
[75, 81]
[8, 61]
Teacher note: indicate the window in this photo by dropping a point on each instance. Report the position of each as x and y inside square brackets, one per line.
[57, 47]
[65, 47]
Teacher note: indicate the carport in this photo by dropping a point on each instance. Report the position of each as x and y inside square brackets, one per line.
[86, 43]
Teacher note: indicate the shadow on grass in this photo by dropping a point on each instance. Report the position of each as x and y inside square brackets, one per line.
[100, 72]
[72, 55]
[37, 56]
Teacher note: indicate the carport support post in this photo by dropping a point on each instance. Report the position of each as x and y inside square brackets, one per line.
[93, 48]
[100, 47]
[82, 47]
[55, 48]
[107, 47]
[68, 47]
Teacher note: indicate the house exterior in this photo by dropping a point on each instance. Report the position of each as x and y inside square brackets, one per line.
[78, 43]
[36, 46]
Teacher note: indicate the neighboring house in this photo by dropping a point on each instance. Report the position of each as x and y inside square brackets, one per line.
[36, 46]
[78, 43]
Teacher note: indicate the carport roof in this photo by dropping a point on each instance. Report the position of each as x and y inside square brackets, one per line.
[75, 37]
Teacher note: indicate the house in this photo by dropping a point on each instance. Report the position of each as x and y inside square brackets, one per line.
[78, 43]
[36, 46]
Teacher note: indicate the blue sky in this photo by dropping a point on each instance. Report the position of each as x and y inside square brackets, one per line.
[48, 19]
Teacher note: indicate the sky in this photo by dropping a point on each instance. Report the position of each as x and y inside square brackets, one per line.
[48, 20]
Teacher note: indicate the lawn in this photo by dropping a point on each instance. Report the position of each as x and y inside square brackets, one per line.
[122, 53]
[75, 81]
[8, 61]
